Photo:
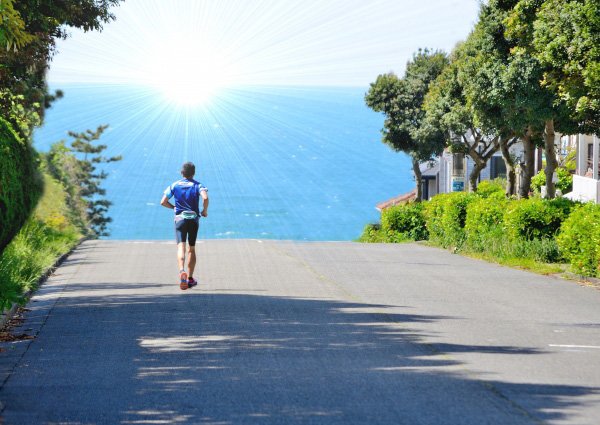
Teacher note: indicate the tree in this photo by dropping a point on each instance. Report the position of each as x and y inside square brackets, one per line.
[566, 40]
[447, 108]
[496, 92]
[12, 28]
[546, 111]
[28, 32]
[80, 177]
[401, 100]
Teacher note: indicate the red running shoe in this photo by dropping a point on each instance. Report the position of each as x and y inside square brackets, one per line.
[183, 280]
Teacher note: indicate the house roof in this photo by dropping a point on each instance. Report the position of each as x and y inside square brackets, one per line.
[401, 199]
[431, 171]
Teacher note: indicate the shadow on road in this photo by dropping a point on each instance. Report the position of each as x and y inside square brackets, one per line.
[194, 357]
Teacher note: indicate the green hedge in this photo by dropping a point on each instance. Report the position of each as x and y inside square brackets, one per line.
[488, 188]
[405, 220]
[20, 182]
[484, 217]
[446, 216]
[541, 230]
[536, 218]
[579, 240]
[45, 236]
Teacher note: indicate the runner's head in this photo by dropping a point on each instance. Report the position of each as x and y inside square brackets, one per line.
[188, 170]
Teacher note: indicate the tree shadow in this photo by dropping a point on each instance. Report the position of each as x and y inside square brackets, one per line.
[195, 357]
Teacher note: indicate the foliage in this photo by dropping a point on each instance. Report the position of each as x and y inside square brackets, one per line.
[21, 118]
[12, 28]
[372, 233]
[447, 108]
[535, 218]
[485, 214]
[565, 180]
[493, 245]
[446, 216]
[46, 235]
[401, 100]
[548, 106]
[406, 220]
[488, 188]
[21, 183]
[566, 39]
[521, 233]
[579, 240]
[28, 32]
[80, 178]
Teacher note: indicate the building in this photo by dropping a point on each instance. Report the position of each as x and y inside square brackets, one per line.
[586, 181]
[450, 172]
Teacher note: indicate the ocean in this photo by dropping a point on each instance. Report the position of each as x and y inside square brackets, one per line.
[295, 163]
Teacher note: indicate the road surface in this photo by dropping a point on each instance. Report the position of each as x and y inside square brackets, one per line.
[302, 332]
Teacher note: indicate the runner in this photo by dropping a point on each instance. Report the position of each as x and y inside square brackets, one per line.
[187, 193]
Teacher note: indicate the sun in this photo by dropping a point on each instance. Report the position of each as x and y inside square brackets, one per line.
[188, 73]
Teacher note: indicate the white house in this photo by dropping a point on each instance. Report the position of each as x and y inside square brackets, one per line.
[586, 181]
[450, 172]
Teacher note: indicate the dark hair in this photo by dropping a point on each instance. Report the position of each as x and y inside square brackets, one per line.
[188, 169]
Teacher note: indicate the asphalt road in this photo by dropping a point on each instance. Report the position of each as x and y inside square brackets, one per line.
[290, 332]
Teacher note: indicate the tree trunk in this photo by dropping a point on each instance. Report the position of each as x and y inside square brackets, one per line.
[551, 162]
[474, 176]
[511, 175]
[527, 165]
[418, 179]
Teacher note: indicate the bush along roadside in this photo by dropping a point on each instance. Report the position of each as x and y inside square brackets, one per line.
[68, 210]
[46, 235]
[538, 234]
[579, 240]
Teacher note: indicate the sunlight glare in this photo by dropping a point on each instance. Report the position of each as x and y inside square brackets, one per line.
[189, 74]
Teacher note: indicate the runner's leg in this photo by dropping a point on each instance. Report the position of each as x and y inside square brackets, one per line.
[191, 262]
[192, 233]
[181, 255]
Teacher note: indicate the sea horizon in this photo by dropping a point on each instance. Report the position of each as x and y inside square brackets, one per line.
[280, 162]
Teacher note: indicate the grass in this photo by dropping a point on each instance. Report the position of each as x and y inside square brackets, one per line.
[537, 256]
[46, 235]
[529, 264]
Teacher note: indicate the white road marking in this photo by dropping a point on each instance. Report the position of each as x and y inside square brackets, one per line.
[574, 346]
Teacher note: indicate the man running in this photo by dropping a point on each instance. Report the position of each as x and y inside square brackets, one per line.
[187, 193]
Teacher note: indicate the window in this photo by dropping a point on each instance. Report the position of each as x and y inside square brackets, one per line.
[497, 167]
[458, 164]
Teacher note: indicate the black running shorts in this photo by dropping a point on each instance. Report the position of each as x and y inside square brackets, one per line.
[186, 230]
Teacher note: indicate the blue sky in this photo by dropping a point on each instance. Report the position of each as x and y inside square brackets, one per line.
[262, 42]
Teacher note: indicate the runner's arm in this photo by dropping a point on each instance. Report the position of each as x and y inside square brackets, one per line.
[165, 202]
[204, 203]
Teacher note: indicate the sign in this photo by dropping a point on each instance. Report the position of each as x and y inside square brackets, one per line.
[458, 184]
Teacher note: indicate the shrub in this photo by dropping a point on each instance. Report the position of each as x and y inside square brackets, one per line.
[44, 237]
[484, 216]
[372, 233]
[446, 215]
[579, 240]
[535, 218]
[494, 244]
[489, 187]
[407, 220]
[20, 184]
[565, 180]
[433, 212]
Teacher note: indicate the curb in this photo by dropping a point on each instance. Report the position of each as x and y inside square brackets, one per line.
[27, 295]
